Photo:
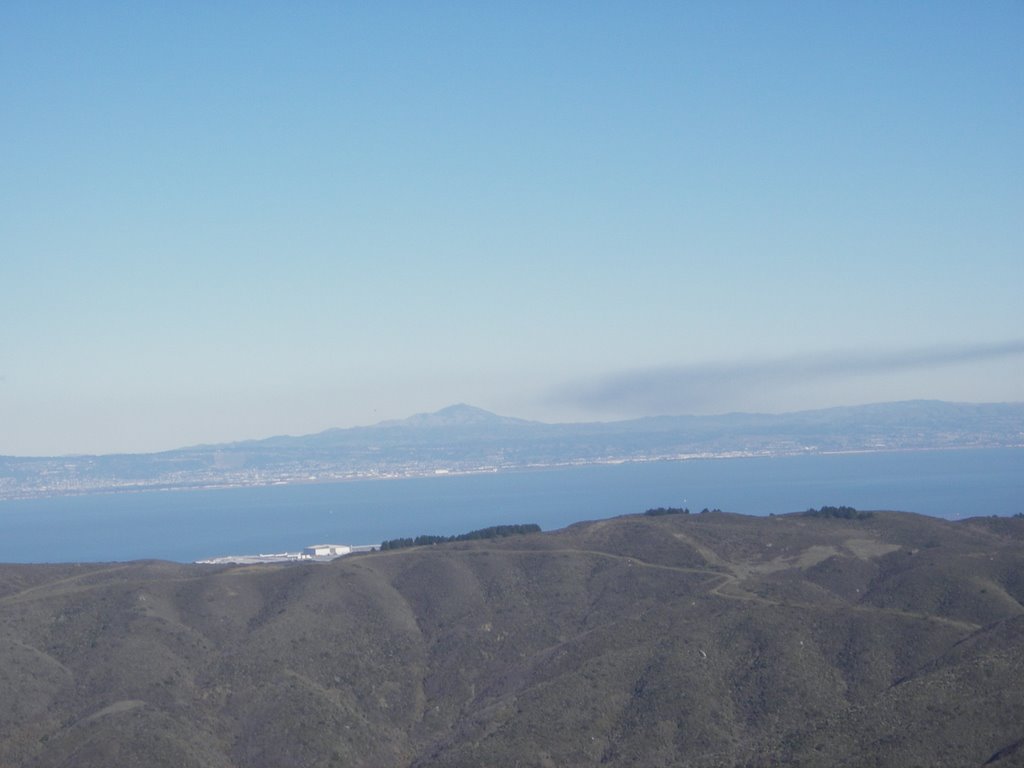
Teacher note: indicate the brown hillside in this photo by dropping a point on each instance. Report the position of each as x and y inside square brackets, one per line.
[704, 640]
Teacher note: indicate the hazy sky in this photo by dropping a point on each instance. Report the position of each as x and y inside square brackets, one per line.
[234, 219]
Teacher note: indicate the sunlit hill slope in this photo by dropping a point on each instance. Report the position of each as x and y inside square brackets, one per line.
[706, 640]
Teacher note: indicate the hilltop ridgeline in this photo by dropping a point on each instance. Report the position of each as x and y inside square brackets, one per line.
[672, 639]
[493, 532]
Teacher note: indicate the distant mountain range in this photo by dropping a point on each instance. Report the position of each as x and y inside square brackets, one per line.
[462, 438]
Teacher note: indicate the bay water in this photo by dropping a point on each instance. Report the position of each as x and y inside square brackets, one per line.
[189, 525]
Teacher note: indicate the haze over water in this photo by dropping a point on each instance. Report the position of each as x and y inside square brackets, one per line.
[190, 525]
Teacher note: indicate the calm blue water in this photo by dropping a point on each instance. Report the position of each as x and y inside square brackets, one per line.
[189, 525]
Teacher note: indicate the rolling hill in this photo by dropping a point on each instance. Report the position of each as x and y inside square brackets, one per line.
[705, 640]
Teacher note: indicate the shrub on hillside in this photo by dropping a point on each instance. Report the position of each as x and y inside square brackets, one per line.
[844, 513]
[495, 531]
[657, 511]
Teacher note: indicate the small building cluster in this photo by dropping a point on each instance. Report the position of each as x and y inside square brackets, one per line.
[326, 550]
[315, 552]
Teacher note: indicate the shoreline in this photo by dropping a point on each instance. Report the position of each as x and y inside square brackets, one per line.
[304, 478]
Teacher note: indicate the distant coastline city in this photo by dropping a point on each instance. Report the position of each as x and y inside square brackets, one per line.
[462, 440]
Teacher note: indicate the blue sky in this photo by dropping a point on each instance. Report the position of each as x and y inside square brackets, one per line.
[229, 220]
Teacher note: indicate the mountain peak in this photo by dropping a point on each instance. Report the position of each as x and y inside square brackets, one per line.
[458, 415]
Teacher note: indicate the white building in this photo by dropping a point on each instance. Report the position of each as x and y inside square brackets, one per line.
[326, 550]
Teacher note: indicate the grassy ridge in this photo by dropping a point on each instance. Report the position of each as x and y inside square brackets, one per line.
[493, 532]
